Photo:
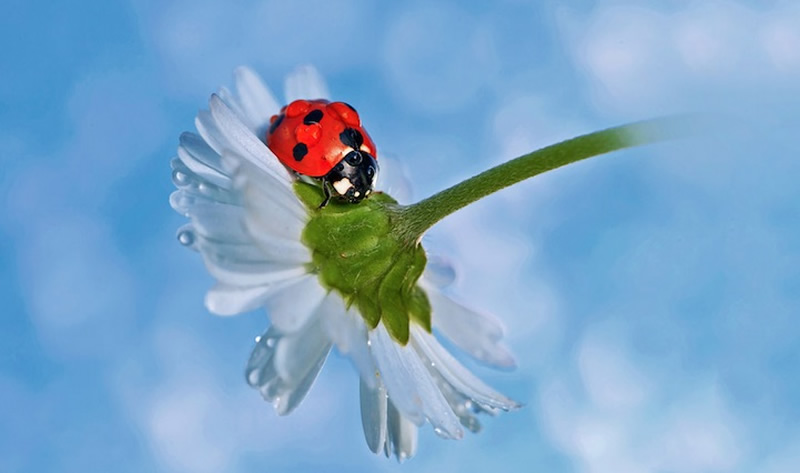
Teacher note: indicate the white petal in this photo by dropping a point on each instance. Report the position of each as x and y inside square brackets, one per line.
[195, 153]
[291, 307]
[295, 355]
[232, 255]
[223, 299]
[464, 407]
[245, 170]
[234, 243]
[257, 101]
[199, 186]
[439, 272]
[184, 201]
[236, 165]
[263, 373]
[226, 134]
[229, 253]
[373, 415]
[247, 274]
[277, 214]
[346, 328]
[210, 132]
[219, 222]
[238, 139]
[401, 435]
[300, 380]
[246, 253]
[233, 103]
[410, 386]
[274, 218]
[305, 82]
[260, 370]
[289, 401]
[475, 333]
[456, 374]
[282, 251]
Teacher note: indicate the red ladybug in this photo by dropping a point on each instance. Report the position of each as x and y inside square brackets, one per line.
[325, 140]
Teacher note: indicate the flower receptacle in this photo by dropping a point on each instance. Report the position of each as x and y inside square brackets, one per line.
[358, 251]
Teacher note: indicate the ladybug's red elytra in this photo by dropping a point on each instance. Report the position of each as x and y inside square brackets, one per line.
[325, 140]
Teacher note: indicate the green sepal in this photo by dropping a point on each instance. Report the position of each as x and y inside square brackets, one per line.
[394, 313]
[357, 252]
[419, 309]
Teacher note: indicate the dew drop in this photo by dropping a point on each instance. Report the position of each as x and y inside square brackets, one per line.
[369, 343]
[203, 188]
[252, 378]
[258, 338]
[180, 178]
[402, 456]
[471, 423]
[270, 342]
[186, 238]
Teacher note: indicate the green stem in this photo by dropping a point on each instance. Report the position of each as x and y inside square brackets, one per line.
[416, 219]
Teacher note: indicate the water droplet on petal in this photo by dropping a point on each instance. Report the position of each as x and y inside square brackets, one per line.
[186, 238]
[270, 342]
[402, 456]
[258, 338]
[180, 178]
[369, 343]
[440, 432]
[252, 378]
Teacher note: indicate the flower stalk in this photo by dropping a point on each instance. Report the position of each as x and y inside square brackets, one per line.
[414, 220]
[370, 254]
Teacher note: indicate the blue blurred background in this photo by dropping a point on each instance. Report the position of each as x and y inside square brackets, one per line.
[651, 297]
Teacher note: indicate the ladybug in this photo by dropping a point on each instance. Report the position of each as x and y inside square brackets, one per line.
[325, 140]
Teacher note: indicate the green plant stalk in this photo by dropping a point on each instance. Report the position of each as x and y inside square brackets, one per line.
[414, 220]
[370, 254]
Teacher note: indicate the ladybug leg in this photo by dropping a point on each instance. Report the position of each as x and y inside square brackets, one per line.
[327, 190]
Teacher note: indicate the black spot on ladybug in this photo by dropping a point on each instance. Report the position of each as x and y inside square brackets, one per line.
[352, 138]
[299, 151]
[353, 158]
[314, 116]
[276, 124]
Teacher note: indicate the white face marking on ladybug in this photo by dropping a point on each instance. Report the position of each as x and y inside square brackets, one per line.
[356, 194]
[342, 186]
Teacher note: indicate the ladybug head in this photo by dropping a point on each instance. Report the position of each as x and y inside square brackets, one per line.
[354, 177]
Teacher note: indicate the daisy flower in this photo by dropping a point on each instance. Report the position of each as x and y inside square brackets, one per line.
[254, 224]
